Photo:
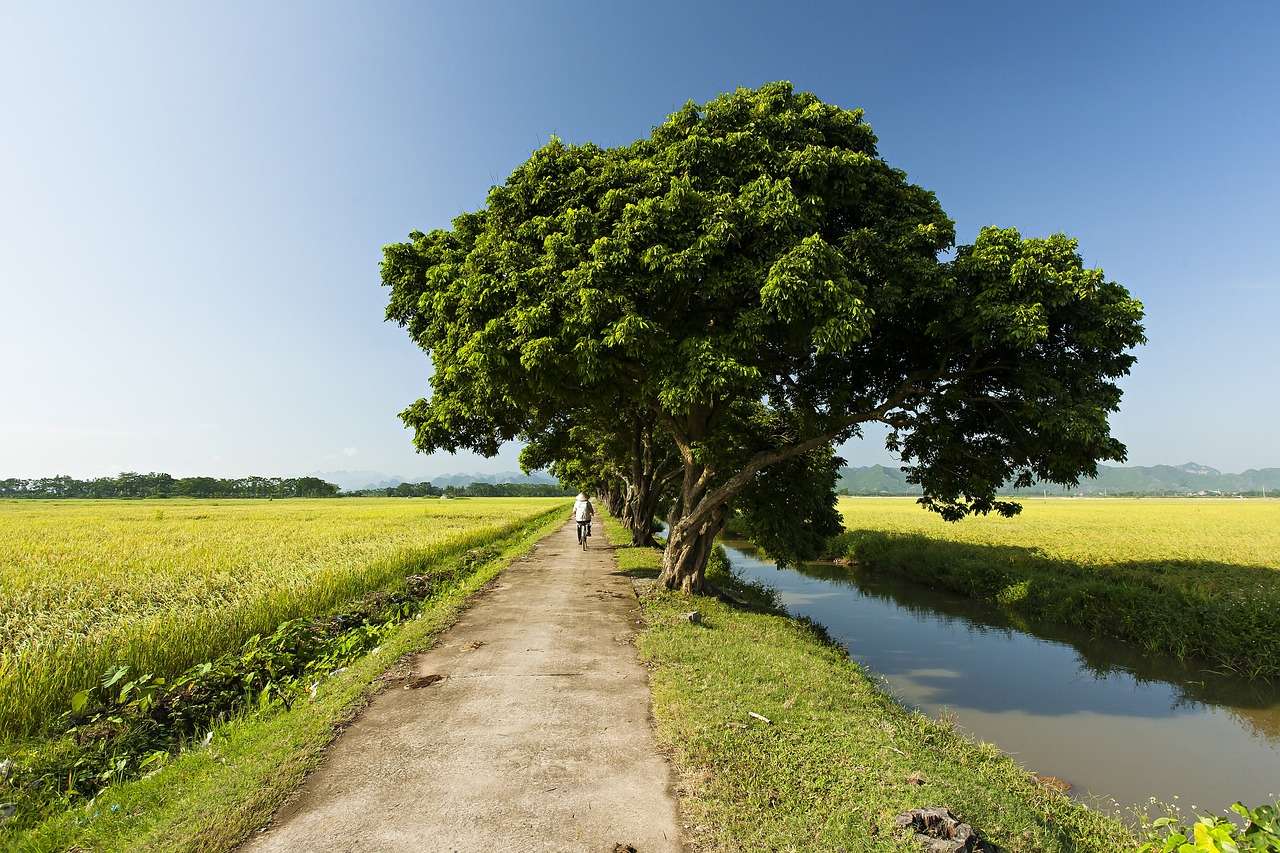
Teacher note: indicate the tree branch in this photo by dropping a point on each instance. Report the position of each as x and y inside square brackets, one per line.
[709, 501]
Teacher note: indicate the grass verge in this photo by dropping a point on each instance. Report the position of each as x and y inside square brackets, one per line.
[210, 799]
[839, 757]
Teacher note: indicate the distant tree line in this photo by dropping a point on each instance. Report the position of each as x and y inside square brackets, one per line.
[475, 490]
[131, 484]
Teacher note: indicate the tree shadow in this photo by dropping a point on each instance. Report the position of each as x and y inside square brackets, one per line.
[623, 553]
[636, 574]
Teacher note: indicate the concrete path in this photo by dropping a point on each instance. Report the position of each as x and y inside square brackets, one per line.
[537, 738]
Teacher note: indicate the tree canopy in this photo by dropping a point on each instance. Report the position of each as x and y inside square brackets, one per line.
[757, 282]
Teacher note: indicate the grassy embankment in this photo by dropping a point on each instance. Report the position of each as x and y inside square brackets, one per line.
[833, 767]
[1193, 578]
[210, 798]
[164, 584]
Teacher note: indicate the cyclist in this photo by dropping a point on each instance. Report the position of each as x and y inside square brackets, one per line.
[582, 513]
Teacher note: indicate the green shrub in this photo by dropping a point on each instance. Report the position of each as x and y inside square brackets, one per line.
[1260, 833]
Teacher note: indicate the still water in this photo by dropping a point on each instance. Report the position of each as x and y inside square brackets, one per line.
[1113, 722]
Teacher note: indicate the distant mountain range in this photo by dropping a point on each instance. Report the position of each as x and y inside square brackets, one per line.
[350, 481]
[500, 477]
[1189, 479]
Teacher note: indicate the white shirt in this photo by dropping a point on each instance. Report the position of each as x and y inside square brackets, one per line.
[582, 510]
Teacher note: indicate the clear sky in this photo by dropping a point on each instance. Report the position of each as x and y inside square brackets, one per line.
[193, 197]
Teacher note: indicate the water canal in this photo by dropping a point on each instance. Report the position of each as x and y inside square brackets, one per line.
[1112, 721]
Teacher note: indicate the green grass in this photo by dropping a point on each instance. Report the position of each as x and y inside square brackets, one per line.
[831, 770]
[1196, 579]
[164, 584]
[211, 799]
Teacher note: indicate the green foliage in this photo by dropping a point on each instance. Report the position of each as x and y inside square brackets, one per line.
[583, 455]
[758, 278]
[1051, 333]
[1257, 832]
[787, 509]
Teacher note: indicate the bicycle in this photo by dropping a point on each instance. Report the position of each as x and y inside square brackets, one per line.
[584, 530]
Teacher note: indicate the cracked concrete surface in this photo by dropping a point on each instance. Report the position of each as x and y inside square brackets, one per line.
[537, 738]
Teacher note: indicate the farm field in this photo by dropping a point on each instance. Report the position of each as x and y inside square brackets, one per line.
[1100, 531]
[164, 584]
[1191, 577]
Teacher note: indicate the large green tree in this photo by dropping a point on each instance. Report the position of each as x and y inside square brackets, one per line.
[755, 277]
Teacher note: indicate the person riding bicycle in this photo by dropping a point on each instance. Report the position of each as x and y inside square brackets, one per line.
[582, 513]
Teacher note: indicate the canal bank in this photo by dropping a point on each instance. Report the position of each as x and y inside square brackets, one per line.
[781, 741]
[1114, 722]
[1184, 578]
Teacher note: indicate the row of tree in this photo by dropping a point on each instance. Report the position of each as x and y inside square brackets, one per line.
[131, 484]
[690, 324]
[157, 485]
[474, 490]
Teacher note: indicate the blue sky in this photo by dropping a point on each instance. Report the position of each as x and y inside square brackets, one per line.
[193, 197]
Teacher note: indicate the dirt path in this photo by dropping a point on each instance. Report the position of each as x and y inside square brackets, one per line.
[537, 738]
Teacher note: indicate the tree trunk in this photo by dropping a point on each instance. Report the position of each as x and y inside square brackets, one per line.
[614, 501]
[642, 503]
[705, 495]
[645, 484]
[684, 562]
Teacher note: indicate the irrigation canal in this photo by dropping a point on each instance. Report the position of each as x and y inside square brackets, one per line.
[1110, 720]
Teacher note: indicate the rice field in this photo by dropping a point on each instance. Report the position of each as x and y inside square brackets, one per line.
[1196, 578]
[1100, 532]
[165, 584]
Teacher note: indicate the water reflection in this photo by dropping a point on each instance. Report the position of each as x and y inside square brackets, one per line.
[1110, 719]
